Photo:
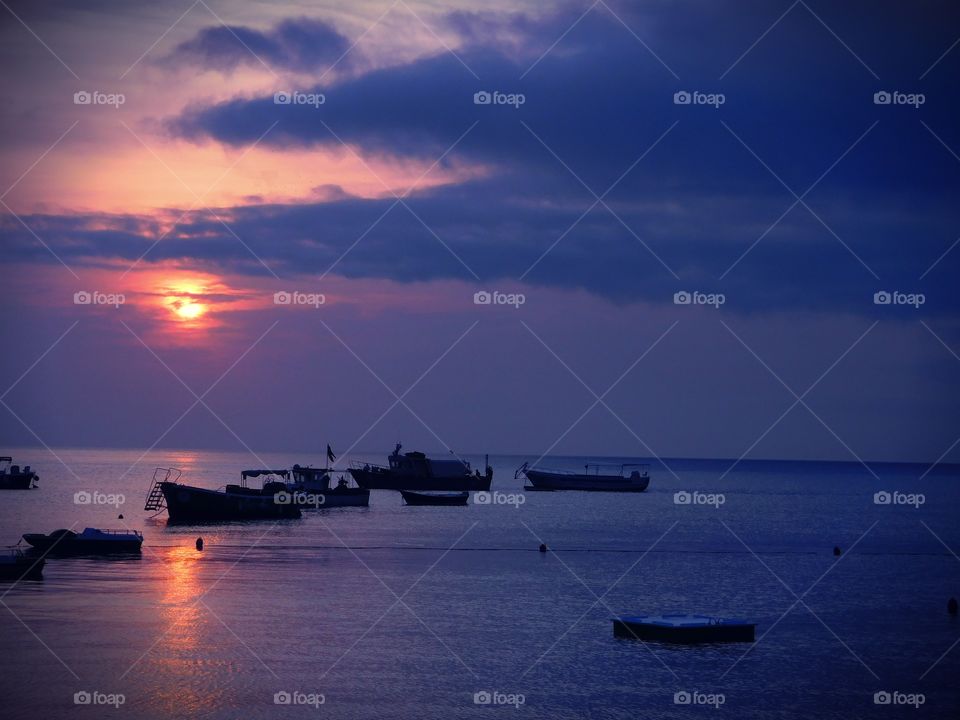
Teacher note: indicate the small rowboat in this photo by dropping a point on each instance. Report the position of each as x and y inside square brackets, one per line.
[688, 629]
[439, 498]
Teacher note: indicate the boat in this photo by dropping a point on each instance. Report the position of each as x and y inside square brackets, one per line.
[310, 488]
[426, 498]
[190, 504]
[12, 477]
[596, 477]
[92, 541]
[416, 471]
[685, 629]
[14, 565]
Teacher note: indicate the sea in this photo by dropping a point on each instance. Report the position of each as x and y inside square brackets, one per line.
[453, 612]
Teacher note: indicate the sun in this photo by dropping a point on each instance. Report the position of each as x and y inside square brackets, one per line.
[188, 309]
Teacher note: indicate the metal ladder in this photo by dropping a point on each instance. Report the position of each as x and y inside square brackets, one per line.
[155, 499]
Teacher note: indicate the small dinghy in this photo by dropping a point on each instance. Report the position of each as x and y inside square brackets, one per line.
[90, 542]
[686, 629]
[434, 498]
[14, 565]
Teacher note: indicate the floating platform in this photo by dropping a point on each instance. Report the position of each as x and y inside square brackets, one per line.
[686, 629]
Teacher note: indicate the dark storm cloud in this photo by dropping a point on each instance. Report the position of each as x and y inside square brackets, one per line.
[298, 44]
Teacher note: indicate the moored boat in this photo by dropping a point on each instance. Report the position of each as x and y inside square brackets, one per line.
[190, 504]
[685, 629]
[92, 541]
[415, 471]
[12, 477]
[434, 498]
[596, 477]
[14, 565]
[310, 488]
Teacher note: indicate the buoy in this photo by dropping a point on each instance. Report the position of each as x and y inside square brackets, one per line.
[120, 516]
[199, 543]
[836, 551]
[952, 606]
[543, 548]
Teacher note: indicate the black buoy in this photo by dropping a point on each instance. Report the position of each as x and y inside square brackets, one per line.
[199, 543]
[543, 548]
[120, 516]
[836, 551]
[952, 606]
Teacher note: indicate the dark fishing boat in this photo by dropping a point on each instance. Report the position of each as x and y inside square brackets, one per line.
[415, 471]
[310, 488]
[685, 629]
[13, 478]
[189, 504]
[91, 541]
[14, 565]
[596, 477]
[424, 498]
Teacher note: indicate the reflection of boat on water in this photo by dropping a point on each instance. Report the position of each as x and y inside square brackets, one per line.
[186, 503]
[91, 541]
[14, 565]
[595, 477]
[440, 498]
[415, 471]
[12, 477]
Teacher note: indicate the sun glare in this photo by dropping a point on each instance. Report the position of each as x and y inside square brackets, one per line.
[188, 309]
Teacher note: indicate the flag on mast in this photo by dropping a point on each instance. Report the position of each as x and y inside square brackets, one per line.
[330, 456]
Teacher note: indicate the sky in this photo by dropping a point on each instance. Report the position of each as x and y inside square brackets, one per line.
[706, 229]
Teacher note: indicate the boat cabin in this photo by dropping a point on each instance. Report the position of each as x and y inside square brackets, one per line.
[417, 463]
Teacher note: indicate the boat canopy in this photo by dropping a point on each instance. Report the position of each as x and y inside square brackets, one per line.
[257, 473]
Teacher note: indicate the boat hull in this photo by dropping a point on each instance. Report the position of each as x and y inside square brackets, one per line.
[74, 546]
[18, 481]
[706, 631]
[414, 498]
[333, 498]
[188, 504]
[380, 479]
[25, 568]
[542, 480]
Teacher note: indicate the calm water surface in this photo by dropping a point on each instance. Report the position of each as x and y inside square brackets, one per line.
[397, 611]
